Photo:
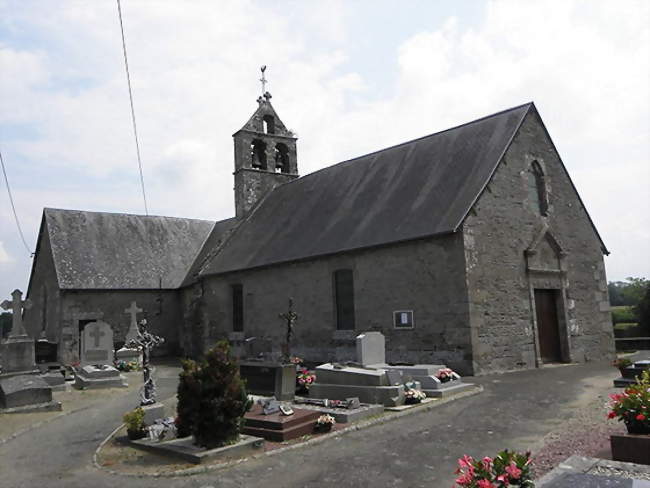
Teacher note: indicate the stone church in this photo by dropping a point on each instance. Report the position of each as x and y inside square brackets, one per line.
[469, 247]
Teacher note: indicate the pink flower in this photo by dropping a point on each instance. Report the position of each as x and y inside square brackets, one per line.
[503, 478]
[465, 480]
[485, 484]
[513, 471]
[640, 417]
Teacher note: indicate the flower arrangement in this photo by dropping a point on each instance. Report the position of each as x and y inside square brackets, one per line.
[414, 396]
[325, 423]
[127, 366]
[506, 469]
[633, 406]
[304, 379]
[295, 360]
[621, 363]
[445, 374]
[135, 426]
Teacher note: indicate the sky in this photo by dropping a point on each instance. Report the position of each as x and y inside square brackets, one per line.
[347, 77]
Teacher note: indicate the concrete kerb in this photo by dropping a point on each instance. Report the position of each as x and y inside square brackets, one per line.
[352, 428]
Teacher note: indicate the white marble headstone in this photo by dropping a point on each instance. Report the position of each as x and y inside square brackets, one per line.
[371, 348]
[97, 344]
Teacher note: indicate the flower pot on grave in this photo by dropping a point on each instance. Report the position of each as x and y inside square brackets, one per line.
[302, 390]
[638, 427]
[445, 379]
[320, 428]
[411, 401]
[134, 435]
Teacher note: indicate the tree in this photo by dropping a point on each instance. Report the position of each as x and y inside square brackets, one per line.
[643, 310]
[629, 292]
[212, 399]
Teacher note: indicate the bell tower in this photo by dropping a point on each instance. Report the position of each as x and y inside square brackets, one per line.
[265, 155]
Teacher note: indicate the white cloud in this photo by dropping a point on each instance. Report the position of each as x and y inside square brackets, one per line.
[194, 72]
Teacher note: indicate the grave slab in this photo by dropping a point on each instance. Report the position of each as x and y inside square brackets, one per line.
[389, 396]
[23, 390]
[346, 415]
[184, 449]
[331, 374]
[278, 427]
[446, 391]
[94, 377]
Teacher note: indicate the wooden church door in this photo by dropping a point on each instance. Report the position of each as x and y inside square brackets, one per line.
[547, 325]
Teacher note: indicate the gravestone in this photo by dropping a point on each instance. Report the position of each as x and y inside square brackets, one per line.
[97, 344]
[371, 348]
[17, 351]
[46, 352]
[129, 354]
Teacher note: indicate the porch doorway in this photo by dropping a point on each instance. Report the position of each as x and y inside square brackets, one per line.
[548, 327]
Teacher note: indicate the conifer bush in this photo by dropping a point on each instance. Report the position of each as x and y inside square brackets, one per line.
[212, 399]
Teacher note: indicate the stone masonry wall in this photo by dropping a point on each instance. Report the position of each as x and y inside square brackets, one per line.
[162, 307]
[503, 224]
[425, 276]
[44, 293]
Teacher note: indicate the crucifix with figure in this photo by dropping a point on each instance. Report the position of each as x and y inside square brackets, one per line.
[16, 305]
[290, 317]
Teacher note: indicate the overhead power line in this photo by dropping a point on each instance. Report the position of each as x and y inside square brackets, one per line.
[135, 128]
[13, 207]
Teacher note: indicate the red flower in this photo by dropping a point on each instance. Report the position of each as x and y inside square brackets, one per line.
[485, 484]
[641, 417]
[513, 471]
[611, 415]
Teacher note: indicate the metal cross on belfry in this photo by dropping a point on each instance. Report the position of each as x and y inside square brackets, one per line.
[290, 317]
[145, 342]
[16, 305]
[263, 79]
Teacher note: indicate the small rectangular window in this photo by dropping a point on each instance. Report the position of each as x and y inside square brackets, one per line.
[344, 299]
[237, 308]
[403, 319]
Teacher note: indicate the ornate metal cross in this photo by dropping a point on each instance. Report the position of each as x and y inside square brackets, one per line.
[145, 342]
[290, 317]
[16, 305]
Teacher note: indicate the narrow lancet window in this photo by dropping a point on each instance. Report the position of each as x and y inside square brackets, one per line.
[537, 188]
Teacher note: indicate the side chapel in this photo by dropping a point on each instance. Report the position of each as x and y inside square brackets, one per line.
[469, 247]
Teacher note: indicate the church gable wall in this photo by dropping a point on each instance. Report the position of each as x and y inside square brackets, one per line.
[425, 276]
[502, 276]
[43, 291]
[162, 307]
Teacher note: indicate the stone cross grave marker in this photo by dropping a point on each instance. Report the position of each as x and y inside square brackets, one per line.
[97, 344]
[133, 311]
[16, 305]
[371, 348]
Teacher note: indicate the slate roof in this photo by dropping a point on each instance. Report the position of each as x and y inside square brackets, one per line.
[420, 188]
[98, 250]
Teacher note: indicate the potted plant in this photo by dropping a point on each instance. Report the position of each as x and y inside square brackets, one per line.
[324, 423]
[135, 426]
[621, 364]
[505, 470]
[633, 406]
[412, 396]
[304, 379]
[445, 375]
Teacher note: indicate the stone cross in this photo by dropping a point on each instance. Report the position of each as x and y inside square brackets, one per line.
[133, 311]
[290, 317]
[97, 334]
[17, 305]
[146, 341]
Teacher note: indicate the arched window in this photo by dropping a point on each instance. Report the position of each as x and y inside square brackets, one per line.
[268, 123]
[281, 158]
[258, 154]
[537, 188]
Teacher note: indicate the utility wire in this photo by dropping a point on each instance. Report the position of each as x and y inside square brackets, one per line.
[135, 129]
[13, 207]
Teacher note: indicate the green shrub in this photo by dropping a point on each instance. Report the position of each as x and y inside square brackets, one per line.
[623, 314]
[212, 399]
[134, 421]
